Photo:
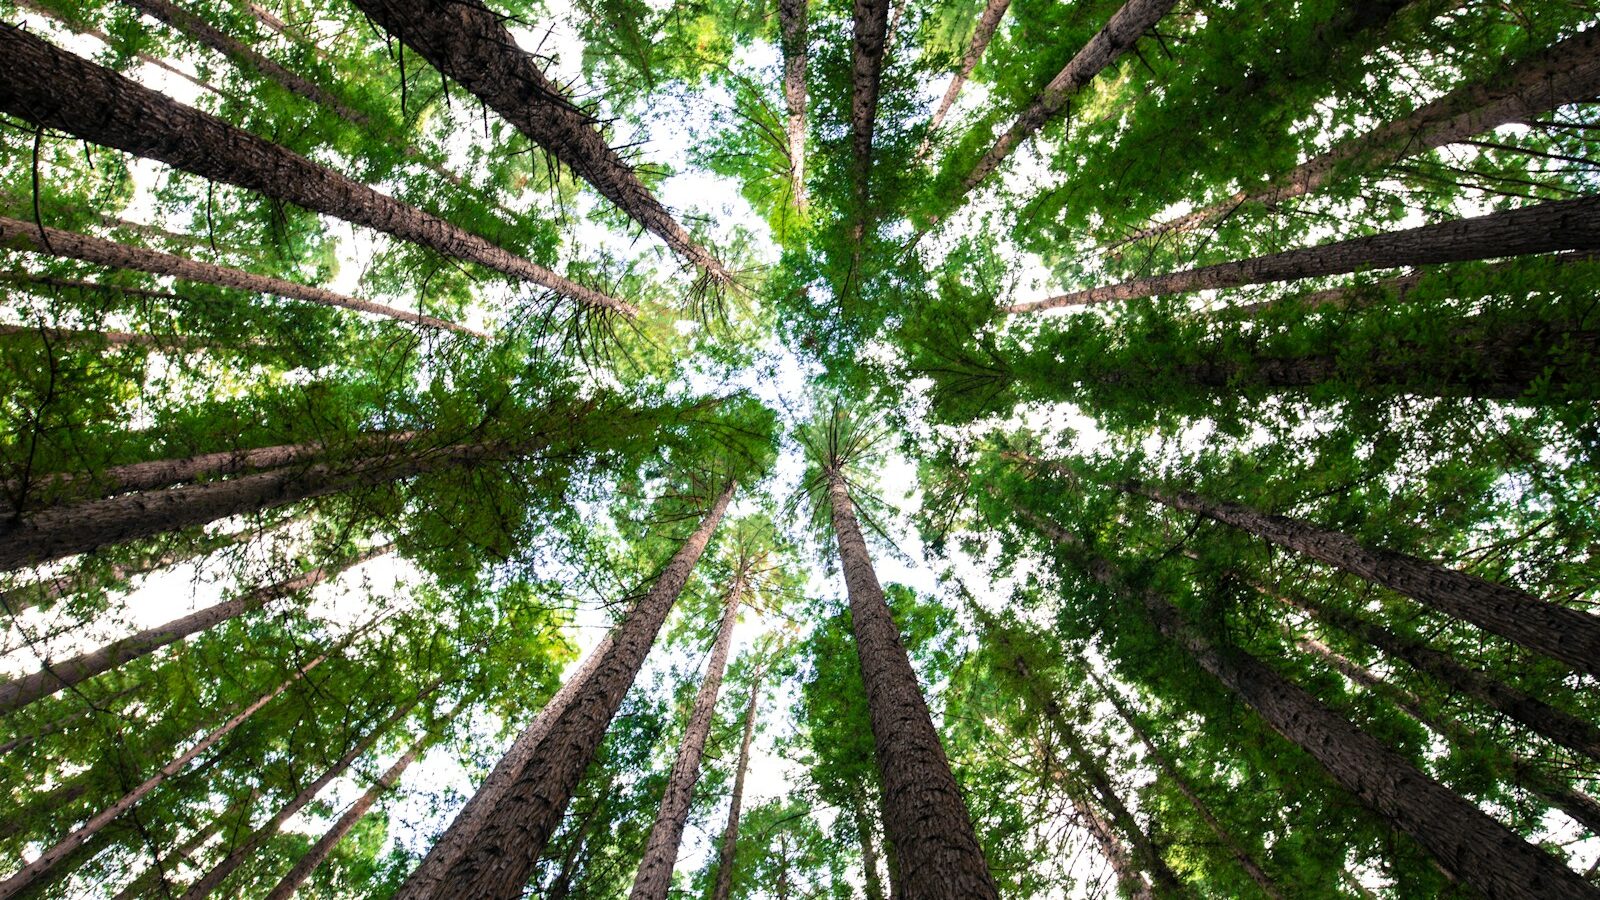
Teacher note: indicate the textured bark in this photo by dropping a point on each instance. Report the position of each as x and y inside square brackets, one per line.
[428, 879]
[466, 41]
[56, 89]
[730, 832]
[1561, 633]
[867, 52]
[654, 877]
[58, 676]
[144, 885]
[1539, 228]
[924, 815]
[792, 27]
[50, 858]
[19, 235]
[1567, 72]
[1560, 727]
[501, 857]
[1119, 35]
[56, 533]
[1129, 882]
[993, 11]
[1582, 808]
[27, 596]
[1170, 771]
[871, 877]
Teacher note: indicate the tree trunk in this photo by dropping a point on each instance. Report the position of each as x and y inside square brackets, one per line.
[27, 596]
[63, 723]
[871, 877]
[561, 887]
[1482, 852]
[730, 833]
[501, 857]
[993, 11]
[867, 52]
[47, 860]
[79, 528]
[1538, 228]
[113, 43]
[1170, 770]
[147, 880]
[1561, 633]
[96, 338]
[1129, 881]
[792, 27]
[1560, 727]
[1118, 37]
[654, 877]
[20, 235]
[68, 93]
[1568, 72]
[43, 805]
[468, 42]
[58, 676]
[924, 815]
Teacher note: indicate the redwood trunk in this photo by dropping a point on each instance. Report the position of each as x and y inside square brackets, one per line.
[1118, 37]
[871, 31]
[654, 877]
[56, 89]
[1564, 634]
[467, 41]
[924, 816]
[792, 27]
[58, 676]
[1129, 881]
[28, 596]
[730, 833]
[993, 11]
[95, 338]
[20, 235]
[869, 851]
[501, 857]
[1539, 228]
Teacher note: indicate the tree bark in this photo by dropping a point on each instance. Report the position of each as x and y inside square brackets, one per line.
[97, 338]
[1561, 633]
[466, 41]
[141, 886]
[19, 235]
[58, 676]
[792, 28]
[56, 89]
[993, 11]
[46, 861]
[1119, 35]
[730, 832]
[654, 877]
[1567, 72]
[867, 51]
[27, 596]
[1538, 228]
[924, 815]
[498, 863]
[1123, 868]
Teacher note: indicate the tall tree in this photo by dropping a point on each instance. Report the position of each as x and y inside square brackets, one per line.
[993, 12]
[727, 853]
[793, 39]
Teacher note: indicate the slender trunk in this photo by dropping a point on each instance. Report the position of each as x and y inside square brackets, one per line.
[1169, 769]
[1129, 881]
[63, 723]
[68, 93]
[730, 832]
[144, 885]
[1560, 727]
[58, 676]
[867, 52]
[505, 850]
[467, 41]
[1568, 72]
[872, 878]
[792, 27]
[27, 596]
[783, 866]
[81, 527]
[1561, 633]
[562, 885]
[43, 806]
[114, 44]
[97, 338]
[1118, 37]
[1582, 808]
[20, 235]
[654, 877]
[48, 860]
[1465, 841]
[1538, 228]
[993, 11]
[924, 815]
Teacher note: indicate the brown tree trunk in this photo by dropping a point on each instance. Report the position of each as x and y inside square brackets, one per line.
[58, 676]
[20, 235]
[149, 878]
[1561, 633]
[59, 90]
[792, 27]
[80, 27]
[498, 863]
[1129, 881]
[924, 815]
[867, 52]
[561, 887]
[871, 877]
[1568, 72]
[1127, 25]
[28, 596]
[654, 877]
[730, 832]
[1169, 769]
[993, 11]
[46, 861]
[96, 338]
[467, 41]
[1539, 228]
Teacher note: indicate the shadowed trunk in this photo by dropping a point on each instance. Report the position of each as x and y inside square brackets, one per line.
[1129, 881]
[730, 832]
[792, 27]
[654, 878]
[501, 857]
[143, 885]
[43, 806]
[924, 815]
[871, 877]
[71, 94]
[1538, 228]
[27, 596]
[100, 338]
[871, 19]
[993, 11]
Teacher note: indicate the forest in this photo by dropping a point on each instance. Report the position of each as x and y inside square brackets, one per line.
[800, 449]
